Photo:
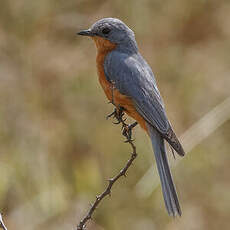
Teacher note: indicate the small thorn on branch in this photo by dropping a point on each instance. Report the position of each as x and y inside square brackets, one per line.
[110, 180]
[110, 193]
[117, 114]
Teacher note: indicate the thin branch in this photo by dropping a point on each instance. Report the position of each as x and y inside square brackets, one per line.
[2, 225]
[127, 132]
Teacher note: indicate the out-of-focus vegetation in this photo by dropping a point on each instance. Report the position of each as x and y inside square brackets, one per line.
[57, 149]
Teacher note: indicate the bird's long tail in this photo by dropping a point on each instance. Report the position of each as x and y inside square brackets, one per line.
[168, 188]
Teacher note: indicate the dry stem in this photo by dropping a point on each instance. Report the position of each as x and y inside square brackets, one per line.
[107, 191]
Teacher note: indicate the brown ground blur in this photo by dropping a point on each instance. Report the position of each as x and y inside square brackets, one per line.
[57, 149]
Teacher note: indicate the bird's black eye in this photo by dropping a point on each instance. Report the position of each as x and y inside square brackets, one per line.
[106, 30]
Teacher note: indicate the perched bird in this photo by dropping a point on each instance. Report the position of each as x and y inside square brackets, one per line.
[129, 83]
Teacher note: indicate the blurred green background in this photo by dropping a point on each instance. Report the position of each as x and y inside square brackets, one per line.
[56, 148]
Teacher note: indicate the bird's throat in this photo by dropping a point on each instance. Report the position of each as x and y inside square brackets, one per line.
[103, 45]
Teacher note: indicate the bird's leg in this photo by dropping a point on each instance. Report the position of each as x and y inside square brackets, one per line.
[118, 114]
[112, 92]
[127, 131]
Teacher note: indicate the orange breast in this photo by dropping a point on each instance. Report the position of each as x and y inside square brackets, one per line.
[103, 48]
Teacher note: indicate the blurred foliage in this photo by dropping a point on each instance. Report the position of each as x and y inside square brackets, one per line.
[57, 149]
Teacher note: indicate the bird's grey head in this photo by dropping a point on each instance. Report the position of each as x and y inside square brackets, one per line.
[113, 30]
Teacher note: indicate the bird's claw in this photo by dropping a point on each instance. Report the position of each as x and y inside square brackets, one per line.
[111, 114]
[118, 114]
[127, 132]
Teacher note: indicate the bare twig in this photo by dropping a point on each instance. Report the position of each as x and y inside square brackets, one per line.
[2, 225]
[127, 132]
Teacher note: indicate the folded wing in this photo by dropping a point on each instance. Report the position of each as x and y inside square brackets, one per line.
[133, 77]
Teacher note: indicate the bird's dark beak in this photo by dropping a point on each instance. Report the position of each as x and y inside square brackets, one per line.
[86, 33]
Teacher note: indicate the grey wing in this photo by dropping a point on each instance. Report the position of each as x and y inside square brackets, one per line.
[132, 76]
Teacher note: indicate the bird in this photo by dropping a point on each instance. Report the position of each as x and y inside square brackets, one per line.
[128, 81]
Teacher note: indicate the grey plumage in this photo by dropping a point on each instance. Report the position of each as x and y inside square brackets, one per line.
[132, 76]
[120, 33]
[168, 188]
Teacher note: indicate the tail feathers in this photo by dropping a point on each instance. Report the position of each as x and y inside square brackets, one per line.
[172, 139]
[168, 188]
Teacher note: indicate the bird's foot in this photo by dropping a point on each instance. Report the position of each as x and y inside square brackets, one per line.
[118, 114]
[127, 131]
